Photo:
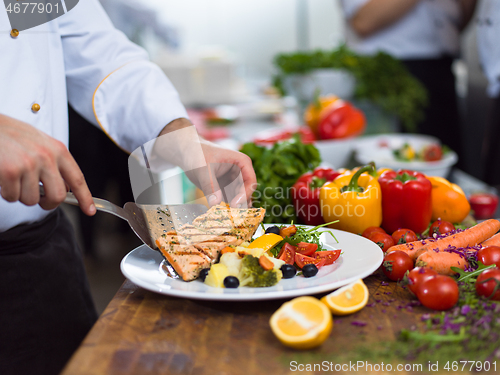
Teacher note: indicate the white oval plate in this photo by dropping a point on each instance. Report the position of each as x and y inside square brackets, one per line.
[360, 257]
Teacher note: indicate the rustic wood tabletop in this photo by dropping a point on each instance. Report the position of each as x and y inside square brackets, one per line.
[142, 332]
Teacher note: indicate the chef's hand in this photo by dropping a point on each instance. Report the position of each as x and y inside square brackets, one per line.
[228, 168]
[29, 156]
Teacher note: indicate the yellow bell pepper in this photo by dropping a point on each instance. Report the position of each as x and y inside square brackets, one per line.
[355, 200]
[314, 110]
[449, 202]
[376, 173]
[266, 241]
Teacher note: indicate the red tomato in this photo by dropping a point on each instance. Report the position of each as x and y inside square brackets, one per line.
[438, 292]
[489, 255]
[370, 230]
[305, 248]
[384, 240]
[330, 256]
[486, 283]
[287, 254]
[302, 260]
[432, 153]
[396, 264]
[441, 227]
[417, 276]
[484, 205]
[404, 236]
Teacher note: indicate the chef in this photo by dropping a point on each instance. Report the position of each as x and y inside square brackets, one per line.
[46, 308]
[425, 36]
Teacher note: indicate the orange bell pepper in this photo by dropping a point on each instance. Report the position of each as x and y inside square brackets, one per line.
[449, 202]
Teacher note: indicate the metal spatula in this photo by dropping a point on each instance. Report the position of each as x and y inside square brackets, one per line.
[148, 221]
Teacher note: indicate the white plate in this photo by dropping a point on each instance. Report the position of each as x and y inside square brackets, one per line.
[360, 257]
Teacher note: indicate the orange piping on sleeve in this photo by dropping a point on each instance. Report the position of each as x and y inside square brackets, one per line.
[95, 114]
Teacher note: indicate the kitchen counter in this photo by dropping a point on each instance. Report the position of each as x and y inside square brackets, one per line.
[141, 333]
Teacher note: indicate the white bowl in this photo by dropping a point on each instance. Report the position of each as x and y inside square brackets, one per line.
[379, 149]
[338, 82]
[336, 152]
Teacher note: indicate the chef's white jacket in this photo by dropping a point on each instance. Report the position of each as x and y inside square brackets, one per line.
[488, 34]
[429, 30]
[81, 58]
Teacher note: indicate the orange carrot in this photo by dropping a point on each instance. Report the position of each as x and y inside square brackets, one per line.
[492, 241]
[410, 248]
[469, 237]
[266, 263]
[227, 249]
[441, 261]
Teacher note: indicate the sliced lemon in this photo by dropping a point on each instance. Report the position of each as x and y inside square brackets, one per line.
[302, 323]
[348, 299]
[266, 241]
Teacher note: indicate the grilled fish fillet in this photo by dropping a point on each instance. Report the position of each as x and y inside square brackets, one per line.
[195, 246]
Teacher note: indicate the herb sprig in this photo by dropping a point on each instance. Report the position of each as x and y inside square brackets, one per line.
[305, 234]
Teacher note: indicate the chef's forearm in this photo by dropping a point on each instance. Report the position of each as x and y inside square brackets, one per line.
[177, 124]
[378, 14]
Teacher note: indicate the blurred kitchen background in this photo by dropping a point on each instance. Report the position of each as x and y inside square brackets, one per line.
[219, 55]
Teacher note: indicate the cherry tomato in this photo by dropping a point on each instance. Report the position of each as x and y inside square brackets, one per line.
[368, 231]
[287, 254]
[486, 283]
[305, 248]
[417, 276]
[330, 256]
[302, 260]
[432, 152]
[484, 205]
[438, 292]
[384, 240]
[396, 264]
[404, 236]
[489, 255]
[441, 227]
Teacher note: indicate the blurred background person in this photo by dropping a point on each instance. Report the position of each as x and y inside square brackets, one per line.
[424, 36]
[488, 34]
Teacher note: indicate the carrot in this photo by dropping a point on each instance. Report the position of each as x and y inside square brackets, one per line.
[266, 263]
[410, 248]
[441, 261]
[227, 249]
[469, 237]
[492, 241]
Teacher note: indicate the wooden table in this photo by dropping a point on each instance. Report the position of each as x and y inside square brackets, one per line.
[142, 333]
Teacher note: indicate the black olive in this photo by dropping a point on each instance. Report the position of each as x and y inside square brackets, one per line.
[203, 274]
[231, 282]
[288, 270]
[309, 270]
[274, 229]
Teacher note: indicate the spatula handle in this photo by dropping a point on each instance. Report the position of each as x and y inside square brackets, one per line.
[100, 204]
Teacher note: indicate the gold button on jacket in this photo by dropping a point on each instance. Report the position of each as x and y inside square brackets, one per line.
[14, 33]
[35, 107]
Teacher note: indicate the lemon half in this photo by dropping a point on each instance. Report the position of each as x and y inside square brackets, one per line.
[302, 323]
[348, 299]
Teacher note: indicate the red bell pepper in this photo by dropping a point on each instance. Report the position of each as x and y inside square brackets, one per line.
[406, 200]
[305, 194]
[341, 120]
